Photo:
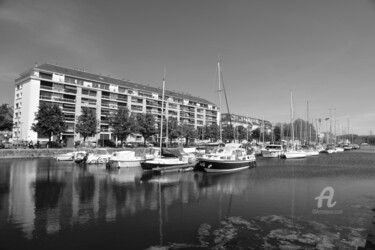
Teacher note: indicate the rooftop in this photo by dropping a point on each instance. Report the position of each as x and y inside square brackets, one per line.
[124, 83]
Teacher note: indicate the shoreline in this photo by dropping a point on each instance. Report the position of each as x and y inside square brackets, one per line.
[52, 152]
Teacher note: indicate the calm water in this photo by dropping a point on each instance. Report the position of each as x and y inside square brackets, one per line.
[46, 204]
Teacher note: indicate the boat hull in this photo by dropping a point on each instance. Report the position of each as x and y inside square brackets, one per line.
[160, 165]
[312, 153]
[271, 154]
[212, 166]
[294, 155]
[124, 164]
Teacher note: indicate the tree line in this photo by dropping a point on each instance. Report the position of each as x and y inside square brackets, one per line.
[50, 120]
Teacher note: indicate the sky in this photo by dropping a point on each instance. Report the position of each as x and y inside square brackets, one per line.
[321, 50]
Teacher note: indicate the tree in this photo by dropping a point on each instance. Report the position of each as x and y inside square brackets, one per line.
[145, 125]
[122, 123]
[203, 132]
[188, 132]
[6, 118]
[228, 133]
[173, 129]
[277, 133]
[241, 133]
[87, 123]
[49, 120]
[256, 134]
[213, 132]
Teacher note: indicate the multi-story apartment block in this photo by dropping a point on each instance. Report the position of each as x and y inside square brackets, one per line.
[245, 121]
[73, 89]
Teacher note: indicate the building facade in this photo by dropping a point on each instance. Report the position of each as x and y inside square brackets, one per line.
[245, 121]
[73, 89]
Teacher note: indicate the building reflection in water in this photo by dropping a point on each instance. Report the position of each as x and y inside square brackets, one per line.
[22, 197]
[45, 197]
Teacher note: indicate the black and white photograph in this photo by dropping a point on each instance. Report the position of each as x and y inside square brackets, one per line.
[187, 124]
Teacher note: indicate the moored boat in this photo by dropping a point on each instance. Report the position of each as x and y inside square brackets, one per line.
[98, 155]
[127, 159]
[310, 151]
[68, 156]
[294, 154]
[272, 151]
[171, 159]
[232, 157]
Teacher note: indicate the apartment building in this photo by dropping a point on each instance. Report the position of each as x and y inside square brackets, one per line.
[73, 89]
[245, 121]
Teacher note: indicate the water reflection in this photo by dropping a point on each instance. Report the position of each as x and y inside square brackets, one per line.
[47, 200]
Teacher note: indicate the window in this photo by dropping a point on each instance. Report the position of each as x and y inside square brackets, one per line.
[45, 75]
[136, 108]
[69, 79]
[89, 92]
[88, 101]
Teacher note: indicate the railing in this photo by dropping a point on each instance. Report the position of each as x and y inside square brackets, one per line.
[68, 110]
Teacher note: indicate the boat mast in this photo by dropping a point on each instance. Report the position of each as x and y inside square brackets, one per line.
[162, 108]
[291, 116]
[308, 131]
[220, 125]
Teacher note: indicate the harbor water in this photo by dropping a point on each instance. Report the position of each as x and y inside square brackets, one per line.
[322, 202]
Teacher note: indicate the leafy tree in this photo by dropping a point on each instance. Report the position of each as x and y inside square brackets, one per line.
[203, 132]
[145, 125]
[256, 134]
[241, 133]
[188, 132]
[6, 118]
[173, 129]
[49, 120]
[277, 133]
[228, 133]
[122, 123]
[87, 123]
[213, 132]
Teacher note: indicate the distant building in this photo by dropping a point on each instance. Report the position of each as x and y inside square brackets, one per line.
[245, 121]
[73, 89]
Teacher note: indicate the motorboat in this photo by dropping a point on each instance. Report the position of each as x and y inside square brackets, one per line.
[272, 151]
[329, 149]
[69, 156]
[98, 155]
[232, 157]
[171, 159]
[294, 154]
[128, 159]
[339, 149]
[81, 157]
[310, 151]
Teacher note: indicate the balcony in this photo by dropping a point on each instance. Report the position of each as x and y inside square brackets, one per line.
[72, 110]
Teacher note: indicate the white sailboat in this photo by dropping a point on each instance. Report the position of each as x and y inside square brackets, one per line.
[171, 159]
[293, 153]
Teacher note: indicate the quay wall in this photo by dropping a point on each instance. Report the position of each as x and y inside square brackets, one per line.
[52, 152]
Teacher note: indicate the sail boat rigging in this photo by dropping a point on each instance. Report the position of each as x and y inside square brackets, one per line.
[232, 158]
[169, 159]
[221, 83]
[293, 153]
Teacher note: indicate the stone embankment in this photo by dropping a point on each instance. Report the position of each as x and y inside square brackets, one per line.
[52, 152]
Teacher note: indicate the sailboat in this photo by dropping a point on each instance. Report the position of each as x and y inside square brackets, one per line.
[169, 159]
[232, 157]
[293, 153]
